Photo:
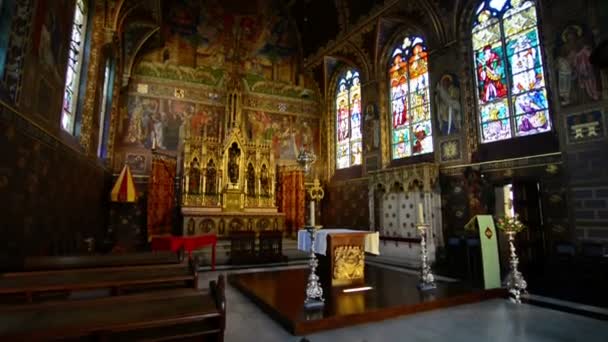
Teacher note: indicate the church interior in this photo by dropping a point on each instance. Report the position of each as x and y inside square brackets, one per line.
[304, 170]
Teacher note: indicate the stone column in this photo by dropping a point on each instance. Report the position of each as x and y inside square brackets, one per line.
[370, 198]
[98, 40]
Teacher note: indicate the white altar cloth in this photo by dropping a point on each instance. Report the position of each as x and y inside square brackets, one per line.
[372, 240]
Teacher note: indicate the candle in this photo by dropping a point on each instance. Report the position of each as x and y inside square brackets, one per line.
[312, 213]
[420, 214]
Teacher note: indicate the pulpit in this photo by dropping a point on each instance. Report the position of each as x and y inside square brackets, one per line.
[341, 254]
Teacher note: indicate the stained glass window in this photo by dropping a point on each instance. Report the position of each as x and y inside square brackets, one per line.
[6, 16]
[412, 132]
[72, 75]
[105, 108]
[348, 121]
[511, 92]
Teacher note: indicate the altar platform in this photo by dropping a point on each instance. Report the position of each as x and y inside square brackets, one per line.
[281, 295]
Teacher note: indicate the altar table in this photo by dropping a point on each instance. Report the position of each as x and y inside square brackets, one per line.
[341, 253]
[188, 243]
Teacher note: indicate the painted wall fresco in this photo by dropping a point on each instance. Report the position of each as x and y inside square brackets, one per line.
[287, 134]
[211, 36]
[577, 80]
[44, 71]
[164, 124]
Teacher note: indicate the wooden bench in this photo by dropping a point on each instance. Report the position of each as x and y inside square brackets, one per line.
[165, 315]
[115, 279]
[242, 247]
[271, 246]
[93, 261]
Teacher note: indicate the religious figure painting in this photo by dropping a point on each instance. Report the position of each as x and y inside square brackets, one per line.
[578, 79]
[164, 124]
[255, 36]
[447, 102]
[51, 35]
[286, 134]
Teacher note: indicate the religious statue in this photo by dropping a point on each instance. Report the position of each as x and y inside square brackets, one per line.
[233, 163]
[210, 178]
[574, 65]
[194, 178]
[264, 181]
[250, 180]
[490, 73]
[372, 128]
[447, 99]
[190, 229]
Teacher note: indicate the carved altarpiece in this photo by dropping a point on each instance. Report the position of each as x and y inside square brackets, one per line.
[229, 184]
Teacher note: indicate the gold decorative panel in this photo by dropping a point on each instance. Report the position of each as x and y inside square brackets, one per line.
[349, 262]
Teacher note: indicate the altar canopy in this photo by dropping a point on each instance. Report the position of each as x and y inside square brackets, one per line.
[372, 240]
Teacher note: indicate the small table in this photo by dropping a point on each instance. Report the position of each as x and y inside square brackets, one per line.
[188, 243]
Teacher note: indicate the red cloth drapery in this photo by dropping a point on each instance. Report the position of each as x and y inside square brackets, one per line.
[161, 193]
[292, 198]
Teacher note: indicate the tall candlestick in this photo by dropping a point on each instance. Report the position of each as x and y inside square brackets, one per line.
[312, 213]
[420, 213]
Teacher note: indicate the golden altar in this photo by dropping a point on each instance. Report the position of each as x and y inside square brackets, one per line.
[228, 184]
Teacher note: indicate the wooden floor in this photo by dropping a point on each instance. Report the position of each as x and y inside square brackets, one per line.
[281, 295]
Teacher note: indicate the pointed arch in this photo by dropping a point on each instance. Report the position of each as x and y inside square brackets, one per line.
[350, 115]
[511, 95]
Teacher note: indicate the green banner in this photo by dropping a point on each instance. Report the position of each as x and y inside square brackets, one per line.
[489, 250]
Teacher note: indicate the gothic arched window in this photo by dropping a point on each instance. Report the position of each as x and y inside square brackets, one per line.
[72, 75]
[511, 94]
[348, 120]
[411, 129]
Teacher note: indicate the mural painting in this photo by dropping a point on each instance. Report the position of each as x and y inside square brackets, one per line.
[578, 80]
[163, 124]
[286, 133]
[253, 38]
[50, 39]
[447, 101]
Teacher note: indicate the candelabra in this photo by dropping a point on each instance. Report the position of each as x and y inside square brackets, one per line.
[427, 280]
[515, 280]
[314, 291]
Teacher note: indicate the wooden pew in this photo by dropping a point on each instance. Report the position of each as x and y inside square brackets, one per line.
[165, 315]
[47, 263]
[116, 279]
